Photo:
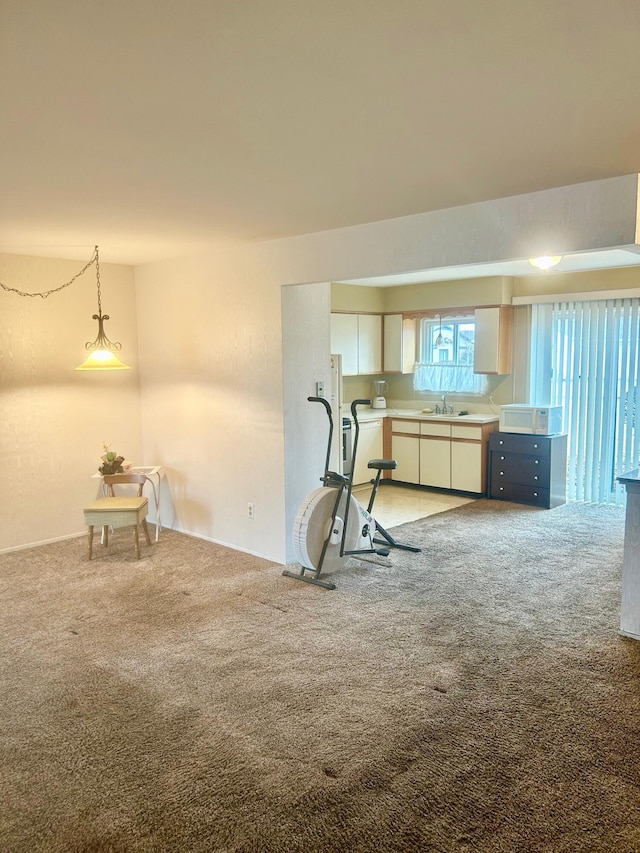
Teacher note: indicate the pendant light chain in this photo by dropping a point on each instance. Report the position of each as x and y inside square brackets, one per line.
[44, 294]
[102, 351]
[97, 260]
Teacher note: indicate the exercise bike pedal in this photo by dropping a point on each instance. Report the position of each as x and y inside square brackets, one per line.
[381, 552]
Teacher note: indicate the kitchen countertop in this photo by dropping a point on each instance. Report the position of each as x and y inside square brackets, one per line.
[368, 414]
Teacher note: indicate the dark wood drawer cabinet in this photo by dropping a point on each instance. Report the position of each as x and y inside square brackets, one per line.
[529, 469]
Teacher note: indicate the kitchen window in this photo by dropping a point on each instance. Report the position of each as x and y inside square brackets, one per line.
[446, 356]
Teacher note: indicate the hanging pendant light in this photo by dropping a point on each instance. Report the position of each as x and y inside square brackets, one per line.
[102, 351]
[440, 338]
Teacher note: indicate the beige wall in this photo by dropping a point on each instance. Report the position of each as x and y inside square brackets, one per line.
[213, 407]
[54, 418]
[354, 298]
[550, 283]
[458, 293]
[490, 290]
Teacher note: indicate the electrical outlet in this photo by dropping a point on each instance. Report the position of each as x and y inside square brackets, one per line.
[251, 510]
[319, 389]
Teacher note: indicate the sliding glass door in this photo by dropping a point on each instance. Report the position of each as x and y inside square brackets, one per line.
[585, 357]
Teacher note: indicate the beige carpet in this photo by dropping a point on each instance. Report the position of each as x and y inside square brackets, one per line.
[474, 698]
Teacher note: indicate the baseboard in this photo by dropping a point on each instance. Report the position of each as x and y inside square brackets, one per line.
[224, 544]
[42, 542]
[177, 529]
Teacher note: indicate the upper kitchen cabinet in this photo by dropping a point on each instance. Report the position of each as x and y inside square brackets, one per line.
[358, 338]
[344, 340]
[493, 339]
[399, 344]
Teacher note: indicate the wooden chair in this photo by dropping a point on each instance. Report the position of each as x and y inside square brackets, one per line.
[114, 511]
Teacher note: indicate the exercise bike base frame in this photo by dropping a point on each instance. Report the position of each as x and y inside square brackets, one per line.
[299, 576]
[391, 542]
[387, 537]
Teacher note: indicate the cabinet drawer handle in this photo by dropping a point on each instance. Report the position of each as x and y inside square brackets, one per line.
[535, 494]
[535, 446]
[535, 462]
[501, 441]
[535, 476]
[502, 458]
[502, 473]
[502, 488]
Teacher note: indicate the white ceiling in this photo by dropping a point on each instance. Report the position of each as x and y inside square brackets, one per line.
[158, 128]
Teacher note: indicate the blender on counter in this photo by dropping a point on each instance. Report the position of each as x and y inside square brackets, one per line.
[379, 389]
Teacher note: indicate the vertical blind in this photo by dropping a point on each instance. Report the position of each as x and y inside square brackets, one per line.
[585, 358]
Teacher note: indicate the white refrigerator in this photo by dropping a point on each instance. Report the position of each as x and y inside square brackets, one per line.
[335, 401]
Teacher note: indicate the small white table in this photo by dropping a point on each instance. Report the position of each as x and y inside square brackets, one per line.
[150, 472]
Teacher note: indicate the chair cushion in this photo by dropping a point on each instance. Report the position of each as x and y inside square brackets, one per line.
[116, 504]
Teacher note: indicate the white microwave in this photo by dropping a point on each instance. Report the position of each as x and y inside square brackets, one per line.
[538, 420]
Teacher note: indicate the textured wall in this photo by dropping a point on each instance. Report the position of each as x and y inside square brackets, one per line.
[54, 418]
[211, 342]
[211, 360]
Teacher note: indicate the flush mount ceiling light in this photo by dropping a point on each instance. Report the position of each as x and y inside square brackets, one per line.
[102, 351]
[545, 262]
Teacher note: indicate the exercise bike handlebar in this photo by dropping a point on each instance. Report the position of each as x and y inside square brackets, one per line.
[322, 400]
[358, 403]
[325, 403]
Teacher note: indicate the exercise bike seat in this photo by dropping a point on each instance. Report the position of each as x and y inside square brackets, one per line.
[382, 464]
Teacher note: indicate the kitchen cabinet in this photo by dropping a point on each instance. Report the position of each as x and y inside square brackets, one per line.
[468, 465]
[358, 338]
[399, 344]
[493, 340]
[369, 343]
[405, 449]
[369, 447]
[344, 340]
[435, 454]
[529, 469]
[441, 454]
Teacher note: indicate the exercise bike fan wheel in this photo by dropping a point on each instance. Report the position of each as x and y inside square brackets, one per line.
[313, 525]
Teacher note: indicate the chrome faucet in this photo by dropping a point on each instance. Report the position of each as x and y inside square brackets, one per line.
[446, 410]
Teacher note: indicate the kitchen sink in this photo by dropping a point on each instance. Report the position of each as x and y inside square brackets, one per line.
[441, 417]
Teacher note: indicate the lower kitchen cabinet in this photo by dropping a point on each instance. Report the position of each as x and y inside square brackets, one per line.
[435, 455]
[405, 449]
[441, 454]
[468, 466]
[529, 469]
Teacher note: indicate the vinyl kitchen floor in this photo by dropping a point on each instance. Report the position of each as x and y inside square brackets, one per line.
[397, 504]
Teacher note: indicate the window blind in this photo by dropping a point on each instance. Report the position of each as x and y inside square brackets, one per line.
[585, 358]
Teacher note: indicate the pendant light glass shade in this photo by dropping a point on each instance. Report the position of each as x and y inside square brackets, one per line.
[102, 359]
[440, 338]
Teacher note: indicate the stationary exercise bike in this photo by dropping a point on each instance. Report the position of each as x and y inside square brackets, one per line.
[331, 524]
